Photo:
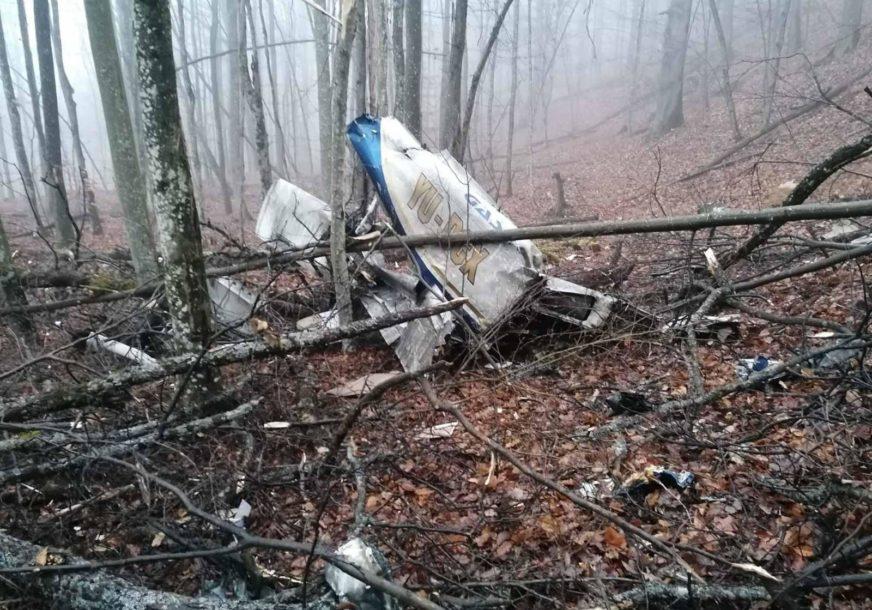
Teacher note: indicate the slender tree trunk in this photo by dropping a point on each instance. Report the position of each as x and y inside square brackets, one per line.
[11, 292]
[66, 233]
[178, 229]
[850, 26]
[451, 103]
[218, 107]
[72, 112]
[191, 105]
[129, 179]
[23, 162]
[7, 176]
[773, 62]
[725, 71]
[634, 70]
[271, 66]
[458, 147]
[444, 81]
[235, 115]
[358, 180]
[31, 77]
[513, 98]
[321, 32]
[253, 94]
[400, 103]
[670, 106]
[377, 46]
[338, 261]
[794, 36]
[412, 84]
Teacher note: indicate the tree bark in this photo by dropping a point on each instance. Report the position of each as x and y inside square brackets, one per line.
[31, 77]
[218, 107]
[235, 115]
[178, 228]
[339, 263]
[251, 86]
[725, 71]
[773, 63]
[191, 105]
[321, 32]
[66, 233]
[412, 84]
[458, 146]
[21, 157]
[11, 292]
[129, 179]
[399, 61]
[670, 107]
[73, 115]
[451, 105]
[513, 98]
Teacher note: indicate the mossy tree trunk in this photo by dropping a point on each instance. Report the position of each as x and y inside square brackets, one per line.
[177, 230]
[129, 179]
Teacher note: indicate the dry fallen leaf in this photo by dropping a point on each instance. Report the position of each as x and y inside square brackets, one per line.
[614, 538]
[41, 557]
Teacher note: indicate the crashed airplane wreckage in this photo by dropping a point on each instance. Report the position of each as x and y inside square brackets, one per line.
[427, 193]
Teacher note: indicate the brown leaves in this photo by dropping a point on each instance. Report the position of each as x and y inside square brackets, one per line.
[614, 538]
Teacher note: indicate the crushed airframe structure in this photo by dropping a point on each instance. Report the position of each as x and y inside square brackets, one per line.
[430, 193]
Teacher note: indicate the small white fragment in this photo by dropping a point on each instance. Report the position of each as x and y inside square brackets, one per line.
[276, 425]
[445, 430]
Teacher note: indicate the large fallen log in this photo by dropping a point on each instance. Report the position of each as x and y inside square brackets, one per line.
[692, 222]
[96, 390]
[97, 590]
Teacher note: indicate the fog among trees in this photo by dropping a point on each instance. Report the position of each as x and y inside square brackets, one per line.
[435, 303]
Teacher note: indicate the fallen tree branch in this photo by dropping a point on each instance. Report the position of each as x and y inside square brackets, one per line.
[692, 222]
[806, 187]
[95, 390]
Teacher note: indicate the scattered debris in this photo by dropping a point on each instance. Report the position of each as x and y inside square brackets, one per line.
[349, 589]
[628, 403]
[724, 328]
[445, 430]
[104, 343]
[748, 366]
[844, 357]
[362, 385]
[236, 516]
[232, 303]
[654, 478]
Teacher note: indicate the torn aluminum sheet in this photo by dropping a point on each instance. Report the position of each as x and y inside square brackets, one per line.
[291, 216]
[362, 385]
[348, 588]
[232, 303]
[104, 343]
[427, 193]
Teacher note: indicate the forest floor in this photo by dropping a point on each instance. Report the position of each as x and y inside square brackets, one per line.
[448, 511]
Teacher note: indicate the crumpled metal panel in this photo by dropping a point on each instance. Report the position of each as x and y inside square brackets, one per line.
[292, 216]
[427, 193]
[232, 303]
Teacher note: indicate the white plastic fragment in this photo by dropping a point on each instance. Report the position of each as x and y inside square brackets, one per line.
[104, 343]
[359, 554]
[362, 385]
[232, 303]
[276, 425]
[445, 430]
[236, 516]
[292, 217]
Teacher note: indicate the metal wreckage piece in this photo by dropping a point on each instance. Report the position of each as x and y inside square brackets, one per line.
[427, 193]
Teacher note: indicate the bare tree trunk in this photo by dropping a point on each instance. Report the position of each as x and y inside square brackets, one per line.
[399, 54]
[458, 147]
[321, 31]
[451, 103]
[217, 107]
[513, 98]
[634, 70]
[377, 46]
[670, 107]
[66, 233]
[251, 86]
[412, 85]
[235, 114]
[850, 26]
[773, 62]
[178, 228]
[23, 162]
[338, 261]
[191, 105]
[7, 176]
[31, 77]
[129, 179]
[725, 72]
[444, 80]
[271, 65]
[358, 180]
[70, 101]
[11, 292]
[126, 50]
